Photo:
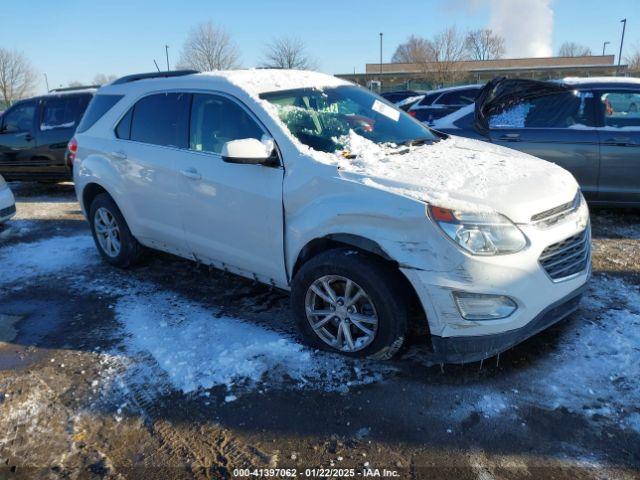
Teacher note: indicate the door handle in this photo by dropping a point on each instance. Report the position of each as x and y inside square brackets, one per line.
[621, 141]
[510, 137]
[191, 173]
[27, 136]
[119, 155]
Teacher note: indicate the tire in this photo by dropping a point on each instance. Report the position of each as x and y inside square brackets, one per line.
[384, 300]
[130, 251]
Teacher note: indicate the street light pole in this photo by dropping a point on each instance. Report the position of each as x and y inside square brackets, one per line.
[46, 81]
[166, 51]
[624, 26]
[604, 47]
[381, 54]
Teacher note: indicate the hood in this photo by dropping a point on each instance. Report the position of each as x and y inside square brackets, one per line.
[460, 173]
[500, 93]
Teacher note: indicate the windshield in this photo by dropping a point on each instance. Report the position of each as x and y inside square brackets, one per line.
[323, 118]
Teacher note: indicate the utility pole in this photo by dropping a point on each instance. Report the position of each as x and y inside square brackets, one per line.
[624, 26]
[381, 55]
[604, 47]
[46, 81]
[166, 51]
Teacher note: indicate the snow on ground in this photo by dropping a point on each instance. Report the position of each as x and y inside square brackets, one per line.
[46, 257]
[168, 341]
[198, 348]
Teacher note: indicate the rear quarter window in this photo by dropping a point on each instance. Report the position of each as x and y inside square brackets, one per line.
[99, 105]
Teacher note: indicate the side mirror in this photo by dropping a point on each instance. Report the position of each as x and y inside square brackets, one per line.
[249, 151]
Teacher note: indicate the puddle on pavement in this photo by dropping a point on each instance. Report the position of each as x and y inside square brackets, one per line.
[13, 355]
[8, 332]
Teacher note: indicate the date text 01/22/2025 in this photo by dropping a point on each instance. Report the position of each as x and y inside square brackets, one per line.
[316, 472]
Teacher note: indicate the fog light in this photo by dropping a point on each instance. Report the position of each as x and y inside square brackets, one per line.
[478, 306]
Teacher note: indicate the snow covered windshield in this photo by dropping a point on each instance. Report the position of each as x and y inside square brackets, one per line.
[323, 118]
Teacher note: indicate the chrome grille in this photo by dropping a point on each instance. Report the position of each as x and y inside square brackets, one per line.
[5, 212]
[568, 257]
[554, 215]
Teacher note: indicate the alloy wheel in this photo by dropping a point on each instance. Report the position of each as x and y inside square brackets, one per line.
[107, 232]
[341, 313]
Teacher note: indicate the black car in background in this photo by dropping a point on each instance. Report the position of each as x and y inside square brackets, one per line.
[439, 103]
[589, 126]
[34, 134]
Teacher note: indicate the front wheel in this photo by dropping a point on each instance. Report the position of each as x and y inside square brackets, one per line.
[346, 302]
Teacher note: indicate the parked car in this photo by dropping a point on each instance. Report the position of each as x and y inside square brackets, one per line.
[7, 202]
[590, 126]
[400, 95]
[309, 183]
[34, 134]
[439, 103]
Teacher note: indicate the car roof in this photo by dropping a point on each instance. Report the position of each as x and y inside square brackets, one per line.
[65, 93]
[601, 82]
[251, 81]
[457, 87]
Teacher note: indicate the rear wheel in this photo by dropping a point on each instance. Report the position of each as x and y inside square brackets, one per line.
[111, 233]
[349, 303]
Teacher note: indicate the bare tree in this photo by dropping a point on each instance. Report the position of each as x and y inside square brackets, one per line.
[483, 44]
[288, 53]
[17, 76]
[449, 51]
[414, 50]
[633, 60]
[572, 49]
[102, 79]
[209, 48]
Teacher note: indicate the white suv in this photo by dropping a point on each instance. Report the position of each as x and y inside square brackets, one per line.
[312, 184]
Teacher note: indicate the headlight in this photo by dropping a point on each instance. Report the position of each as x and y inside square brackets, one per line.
[480, 233]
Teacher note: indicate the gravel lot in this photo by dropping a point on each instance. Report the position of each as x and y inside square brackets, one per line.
[174, 371]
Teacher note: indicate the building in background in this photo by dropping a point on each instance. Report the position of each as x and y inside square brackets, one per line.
[394, 76]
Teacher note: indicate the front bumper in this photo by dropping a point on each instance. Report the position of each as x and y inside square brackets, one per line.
[7, 205]
[475, 348]
[541, 299]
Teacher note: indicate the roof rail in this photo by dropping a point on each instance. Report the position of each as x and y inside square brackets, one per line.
[144, 76]
[71, 89]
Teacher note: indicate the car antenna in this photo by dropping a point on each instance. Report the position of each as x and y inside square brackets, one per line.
[156, 63]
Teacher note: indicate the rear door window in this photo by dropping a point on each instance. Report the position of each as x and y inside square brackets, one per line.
[564, 110]
[216, 120]
[162, 119]
[63, 112]
[99, 105]
[19, 118]
[458, 97]
[621, 109]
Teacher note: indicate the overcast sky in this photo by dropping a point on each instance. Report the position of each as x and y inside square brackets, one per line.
[73, 40]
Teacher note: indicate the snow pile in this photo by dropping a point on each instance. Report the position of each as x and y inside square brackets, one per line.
[197, 348]
[475, 173]
[25, 260]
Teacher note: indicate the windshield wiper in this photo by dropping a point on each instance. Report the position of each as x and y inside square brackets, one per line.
[416, 142]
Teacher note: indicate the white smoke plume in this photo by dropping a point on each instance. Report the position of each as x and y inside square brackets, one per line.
[526, 25]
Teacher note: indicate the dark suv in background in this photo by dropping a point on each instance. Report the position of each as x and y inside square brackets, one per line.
[34, 134]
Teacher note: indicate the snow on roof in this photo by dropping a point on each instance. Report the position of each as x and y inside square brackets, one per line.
[582, 80]
[257, 81]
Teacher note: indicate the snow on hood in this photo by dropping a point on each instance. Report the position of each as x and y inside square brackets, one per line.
[460, 173]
